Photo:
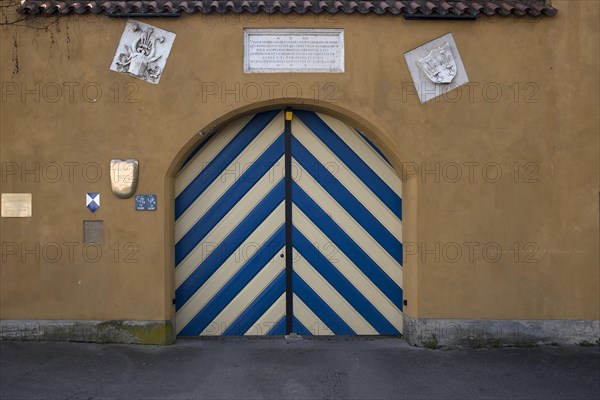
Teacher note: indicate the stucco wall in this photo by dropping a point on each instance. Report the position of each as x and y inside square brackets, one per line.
[540, 133]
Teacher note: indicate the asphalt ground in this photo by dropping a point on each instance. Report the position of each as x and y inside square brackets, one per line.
[306, 369]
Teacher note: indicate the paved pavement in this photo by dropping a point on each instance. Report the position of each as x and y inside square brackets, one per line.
[307, 369]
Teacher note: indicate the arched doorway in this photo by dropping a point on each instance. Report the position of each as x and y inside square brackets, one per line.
[288, 221]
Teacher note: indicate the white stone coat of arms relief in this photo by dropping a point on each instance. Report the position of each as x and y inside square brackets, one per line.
[143, 51]
[436, 68]
[439, 65]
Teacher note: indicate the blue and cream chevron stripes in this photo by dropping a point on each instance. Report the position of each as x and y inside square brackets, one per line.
[229, 231]
[345, 232]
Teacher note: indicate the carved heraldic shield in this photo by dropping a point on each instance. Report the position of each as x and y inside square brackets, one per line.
[123, 177]
[439, 65]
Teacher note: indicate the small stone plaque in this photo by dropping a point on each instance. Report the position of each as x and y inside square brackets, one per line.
[145, 202]
[93, 232]
[16, 205]
[293, 50]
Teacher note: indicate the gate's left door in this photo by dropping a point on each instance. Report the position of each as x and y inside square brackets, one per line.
[230, 232]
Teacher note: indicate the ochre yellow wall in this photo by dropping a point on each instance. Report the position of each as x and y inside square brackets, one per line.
[555, 135]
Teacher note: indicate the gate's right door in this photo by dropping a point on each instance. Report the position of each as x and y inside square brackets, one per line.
[346, 234]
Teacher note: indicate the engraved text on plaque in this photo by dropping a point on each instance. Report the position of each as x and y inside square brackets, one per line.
[294, 50]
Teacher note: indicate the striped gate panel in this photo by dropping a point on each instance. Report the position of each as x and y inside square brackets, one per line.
[344, 275]
[347, 232]
[229, 232]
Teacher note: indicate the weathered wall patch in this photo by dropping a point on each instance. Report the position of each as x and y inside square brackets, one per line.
[436, 67]
[93, 231]
[143, 51]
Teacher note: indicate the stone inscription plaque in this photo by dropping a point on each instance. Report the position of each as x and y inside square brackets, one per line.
[16, 205]
[293, 50]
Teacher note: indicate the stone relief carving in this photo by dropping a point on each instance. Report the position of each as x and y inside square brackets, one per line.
[143, 51]
[436, 67]
[124, 177]
[439, 65]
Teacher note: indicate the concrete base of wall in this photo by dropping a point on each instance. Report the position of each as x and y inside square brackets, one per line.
[477, 333]
[133, 332]
[420, 332]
